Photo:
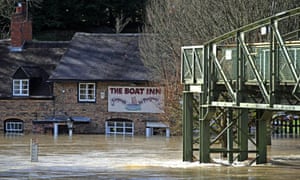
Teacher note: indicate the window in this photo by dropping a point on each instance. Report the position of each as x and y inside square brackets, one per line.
[119, 126]
[87, 92]
[21, 87]
[14, 126]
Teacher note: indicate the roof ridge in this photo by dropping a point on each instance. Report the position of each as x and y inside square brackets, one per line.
[106, 34]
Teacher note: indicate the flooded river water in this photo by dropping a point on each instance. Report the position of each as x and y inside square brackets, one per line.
[138, 157]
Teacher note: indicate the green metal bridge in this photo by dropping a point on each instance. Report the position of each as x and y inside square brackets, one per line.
[242, 77]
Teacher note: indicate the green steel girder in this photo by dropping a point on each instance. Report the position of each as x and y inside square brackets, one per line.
[281, 43]
[274, 64]
[187, 125]
[254, 69]
[242, 134]
[191, 65]
[257, 24]
[219, 68]
[201, 66]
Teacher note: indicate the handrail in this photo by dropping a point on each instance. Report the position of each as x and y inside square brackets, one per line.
[255, 25]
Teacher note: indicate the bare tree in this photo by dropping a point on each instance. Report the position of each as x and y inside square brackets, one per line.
[6, 10]
[7, 7]
[121, 22]
[175, 23]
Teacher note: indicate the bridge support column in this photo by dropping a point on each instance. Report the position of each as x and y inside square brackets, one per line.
[205, 116]
[204, 141]
[187, 126]
[243, 134]
[230, 137]
[261, 137]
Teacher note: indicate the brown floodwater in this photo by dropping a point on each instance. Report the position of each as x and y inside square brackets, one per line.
[137, 157]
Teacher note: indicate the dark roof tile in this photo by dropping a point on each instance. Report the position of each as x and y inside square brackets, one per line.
[46, 58]
[102, 57]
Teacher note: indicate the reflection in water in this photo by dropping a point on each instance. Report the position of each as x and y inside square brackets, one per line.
[121, 157]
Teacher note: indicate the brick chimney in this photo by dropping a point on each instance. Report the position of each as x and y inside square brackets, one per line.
[21, 27]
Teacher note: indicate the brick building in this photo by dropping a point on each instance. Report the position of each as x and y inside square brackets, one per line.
[97, 82]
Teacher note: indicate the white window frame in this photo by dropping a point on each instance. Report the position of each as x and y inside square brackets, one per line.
[119, 127]
[87, 93]
[14, 126]
[21, 87]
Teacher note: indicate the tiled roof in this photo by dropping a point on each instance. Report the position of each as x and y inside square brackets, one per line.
[101, 57]
[88, 57]
[46, 55]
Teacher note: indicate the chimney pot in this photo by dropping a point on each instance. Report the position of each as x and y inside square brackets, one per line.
[19, 8]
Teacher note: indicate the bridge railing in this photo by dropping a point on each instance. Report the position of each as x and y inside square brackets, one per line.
[193, 57]
[260, 52]
[240, 72]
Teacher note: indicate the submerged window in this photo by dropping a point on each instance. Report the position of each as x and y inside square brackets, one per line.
[14, 126]
[21, 87]
[119, 126]
[87, 92]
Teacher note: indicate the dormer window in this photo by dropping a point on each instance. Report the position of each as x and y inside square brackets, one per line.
[31, 81]
[21, 87]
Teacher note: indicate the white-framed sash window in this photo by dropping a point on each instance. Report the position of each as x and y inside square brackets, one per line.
[119, 127]
[21, 87]
[87, 92]
[14, 126]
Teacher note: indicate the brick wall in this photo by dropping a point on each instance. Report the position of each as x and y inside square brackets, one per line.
[65, 101]
[24, 109]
